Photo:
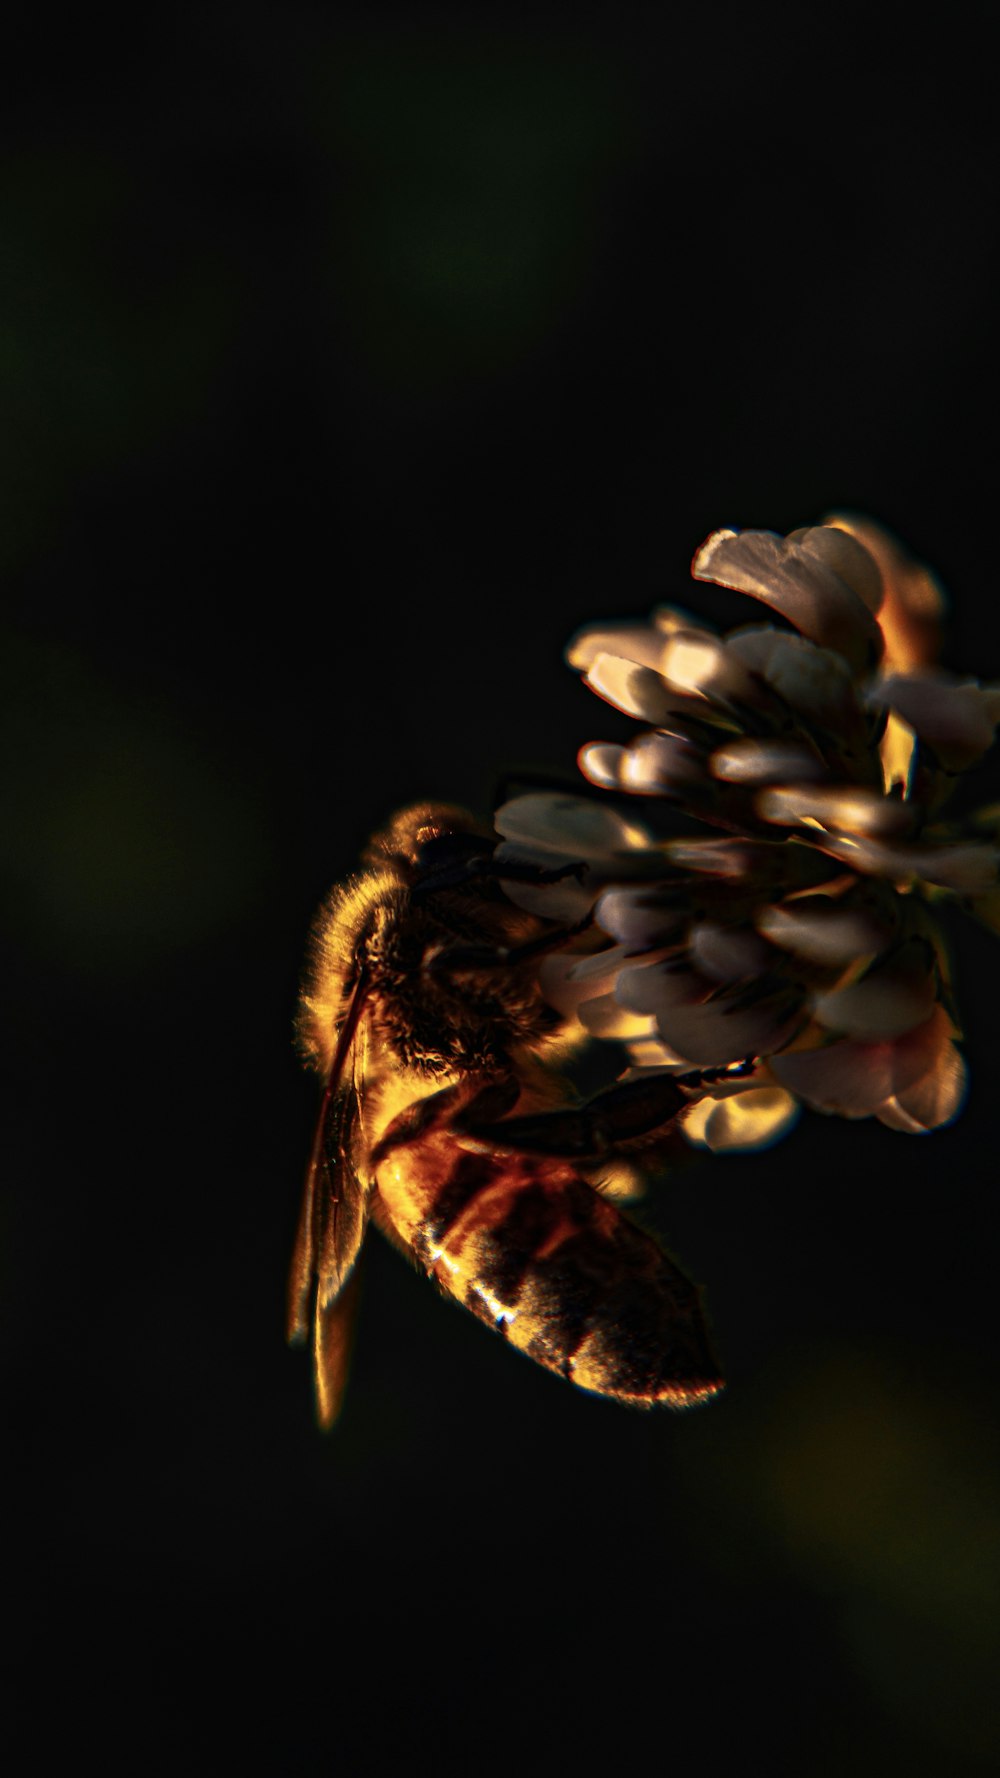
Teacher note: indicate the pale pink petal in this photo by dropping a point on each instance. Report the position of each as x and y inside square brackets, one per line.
[822, 929]
[567, 979]
[891, 998]
[671, 618]
[965, 869]
[914, 602]
[601, 763]
[815, 681]
[649, 987]
[855, 1078]
[957, 720]
[750, 761]
[720, 1031]
[845, 808]
[707, 1032]
[639, 919]
[847, 557]
[721, 858]
[654, 764]
[747, 1121]
[571, 826]
[811, 578]
[604, 1016]
[727, 953]
[700, 665]
[933, 1101]
[638, 642]
[636, 690]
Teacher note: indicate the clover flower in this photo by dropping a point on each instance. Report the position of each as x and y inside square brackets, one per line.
[766, 870]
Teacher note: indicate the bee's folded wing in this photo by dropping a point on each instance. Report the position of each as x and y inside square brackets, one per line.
[335, 1209]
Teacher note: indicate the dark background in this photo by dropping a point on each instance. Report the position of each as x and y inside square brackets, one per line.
[345, 369]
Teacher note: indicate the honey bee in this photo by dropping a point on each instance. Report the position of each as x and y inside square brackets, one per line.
[443, 1120]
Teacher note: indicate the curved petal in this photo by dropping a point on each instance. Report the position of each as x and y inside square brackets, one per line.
[570, 826]
[639, 918]
[727, 953]
[699, 665]
[966, 869]
[855, 1078]
[708, 1030]
[848, 808]
[600, 762]
[957, 719]
[822, 929]
[654, 764]
[935, 1100]
[671, 618]
[750, 1120]
[567, 979]
[822, 581]
[749, 761]
[914, 603]
[639, 691]
[891, 998]
[637, 642]
[604, 1016]
[723, 858]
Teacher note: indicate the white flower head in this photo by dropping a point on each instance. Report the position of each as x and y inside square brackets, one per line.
[766, 871]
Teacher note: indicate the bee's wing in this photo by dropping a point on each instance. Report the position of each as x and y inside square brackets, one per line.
[335, 1208]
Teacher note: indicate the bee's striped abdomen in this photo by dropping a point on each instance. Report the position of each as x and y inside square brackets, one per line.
[533, 1250]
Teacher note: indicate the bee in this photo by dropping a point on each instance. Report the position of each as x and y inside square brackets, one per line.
[442, 1120]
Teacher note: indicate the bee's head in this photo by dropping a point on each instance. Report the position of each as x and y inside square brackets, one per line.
[426, 839]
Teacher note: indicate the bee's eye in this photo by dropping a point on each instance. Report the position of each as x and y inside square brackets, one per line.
[438, 850]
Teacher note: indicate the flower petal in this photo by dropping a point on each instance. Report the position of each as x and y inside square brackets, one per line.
[935, 1099]
[966, 869]
[654, 764]
[892, 997]
[604, 1016]
[750, 761]
[824, 583]
[639, 691]
[855, 1078]
[699, 665]
[823, 929]
[567, 979]
[750, 1120]
[638, 642]
[705, 1029]
[957, 720]
[727, 953]
[914, 603]
[572, 826]
[848, 808]
[640, 919]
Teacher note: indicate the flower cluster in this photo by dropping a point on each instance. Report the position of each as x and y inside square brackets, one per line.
[765, 868]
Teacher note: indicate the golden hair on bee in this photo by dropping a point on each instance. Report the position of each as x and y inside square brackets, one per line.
[442, 1118]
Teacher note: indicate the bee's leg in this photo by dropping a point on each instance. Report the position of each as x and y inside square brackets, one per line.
[457, 959]
[483, 865]
[633, 1113]
[448, 1108]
